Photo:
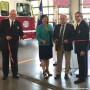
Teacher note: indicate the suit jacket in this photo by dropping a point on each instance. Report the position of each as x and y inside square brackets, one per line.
[82, 33]
[6, 31]
[43, 34]
[68, 34]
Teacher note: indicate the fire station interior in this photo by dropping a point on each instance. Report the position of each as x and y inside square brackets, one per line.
[29, 69]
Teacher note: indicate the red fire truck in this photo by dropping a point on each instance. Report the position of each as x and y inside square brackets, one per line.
[24, 14]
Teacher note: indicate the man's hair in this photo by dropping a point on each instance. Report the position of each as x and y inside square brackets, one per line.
[13, 10]
[63, 15]
[81, 15]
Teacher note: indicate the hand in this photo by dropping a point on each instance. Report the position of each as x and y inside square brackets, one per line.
[24, 37]
[56, 41]
[82, 53]
[8, 38]
[43, 41]
[65, 41]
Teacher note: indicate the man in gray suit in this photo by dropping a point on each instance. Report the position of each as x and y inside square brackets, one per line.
[63, 36]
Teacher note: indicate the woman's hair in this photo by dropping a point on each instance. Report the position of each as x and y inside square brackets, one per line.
[42, 18]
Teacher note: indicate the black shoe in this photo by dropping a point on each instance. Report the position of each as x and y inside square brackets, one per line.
[16, 76]
[82, 77]
[77, 75]
[66, 77]
[57, 76]
[49, 74]
[55, 64]
[79, 81]
[45, 74]
[5, 77]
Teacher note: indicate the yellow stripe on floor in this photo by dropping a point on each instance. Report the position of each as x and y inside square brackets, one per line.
[26, 61]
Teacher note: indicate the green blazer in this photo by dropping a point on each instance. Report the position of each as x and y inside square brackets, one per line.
[43, 34]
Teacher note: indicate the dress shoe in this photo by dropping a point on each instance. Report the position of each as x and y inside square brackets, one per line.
[49, 74]
[66, 77]
[47, 71]
[16, 76]
[82, 77]
[45, 74]
[77, 75]
[57, 76]
[5, 77]
[55, 64]
[79, 81]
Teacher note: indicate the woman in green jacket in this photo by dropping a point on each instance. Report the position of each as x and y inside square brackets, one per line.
[44, 34]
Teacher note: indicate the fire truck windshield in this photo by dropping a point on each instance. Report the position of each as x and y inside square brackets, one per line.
[4, 8]
[23, 9]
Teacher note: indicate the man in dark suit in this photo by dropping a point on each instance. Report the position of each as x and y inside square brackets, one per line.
[81, 46]
[63, 36]
[10, 30]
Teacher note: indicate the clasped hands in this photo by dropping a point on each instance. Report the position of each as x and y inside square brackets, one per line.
[8, 38]
[43, 41]
[82, 53]
[56, 41]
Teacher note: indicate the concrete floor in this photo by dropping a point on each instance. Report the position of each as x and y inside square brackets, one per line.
[30, 72]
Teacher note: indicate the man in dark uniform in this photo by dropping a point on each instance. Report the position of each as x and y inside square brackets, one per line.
[10, 30]
[81, 46]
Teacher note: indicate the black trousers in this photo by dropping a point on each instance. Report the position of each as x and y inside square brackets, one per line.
[83, 66]
[5, 62]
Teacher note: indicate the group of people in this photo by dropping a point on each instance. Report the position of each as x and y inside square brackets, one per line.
[63, 35]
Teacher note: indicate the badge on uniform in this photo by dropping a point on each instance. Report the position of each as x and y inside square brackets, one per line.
[79, 31]
[18, 27]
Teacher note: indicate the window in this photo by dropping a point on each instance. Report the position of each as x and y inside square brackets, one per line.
[23, 9]
[35, 3]
[64, 10]
[48, 8]
[85, 9]
[50, 18]
[4, 7]
[51, 10]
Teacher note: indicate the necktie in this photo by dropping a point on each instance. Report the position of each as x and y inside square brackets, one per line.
[77, 27]
[12, 25]
[61, 34]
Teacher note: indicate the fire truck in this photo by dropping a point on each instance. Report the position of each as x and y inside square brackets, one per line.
[24, 14]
